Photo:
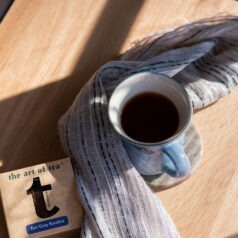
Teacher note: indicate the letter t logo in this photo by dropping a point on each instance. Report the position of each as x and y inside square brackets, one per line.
[36, 190]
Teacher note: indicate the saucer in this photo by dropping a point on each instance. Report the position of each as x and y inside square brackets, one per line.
[193, 149]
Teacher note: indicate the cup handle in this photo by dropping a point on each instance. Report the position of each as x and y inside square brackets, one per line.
[174, 161]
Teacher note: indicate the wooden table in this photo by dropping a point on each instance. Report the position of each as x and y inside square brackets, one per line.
[50, 48]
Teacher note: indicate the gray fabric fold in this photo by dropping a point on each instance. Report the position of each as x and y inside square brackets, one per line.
[202, 56]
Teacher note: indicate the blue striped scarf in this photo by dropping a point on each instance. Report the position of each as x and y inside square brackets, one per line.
[203, 57]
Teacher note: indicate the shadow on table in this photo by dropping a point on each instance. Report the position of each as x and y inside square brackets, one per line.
[232, 236]
[36, 141]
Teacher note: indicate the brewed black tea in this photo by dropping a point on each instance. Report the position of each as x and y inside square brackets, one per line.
[150, 117]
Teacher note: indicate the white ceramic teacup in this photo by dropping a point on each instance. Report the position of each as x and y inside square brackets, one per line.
[167, 155]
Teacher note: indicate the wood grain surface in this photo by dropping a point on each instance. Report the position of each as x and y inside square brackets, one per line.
[49, 49]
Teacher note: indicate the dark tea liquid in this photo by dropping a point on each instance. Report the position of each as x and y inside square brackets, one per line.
[150, 117]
